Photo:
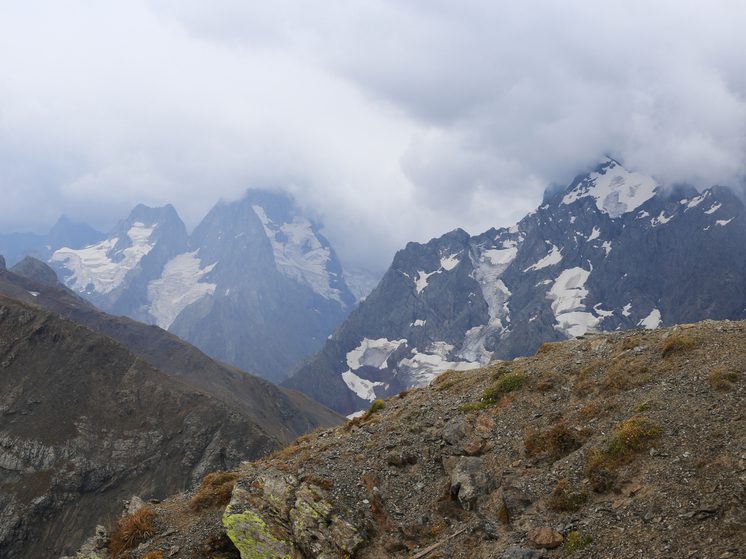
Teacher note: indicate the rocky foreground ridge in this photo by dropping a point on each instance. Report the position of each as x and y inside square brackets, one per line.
[94, 408]
[608, 446]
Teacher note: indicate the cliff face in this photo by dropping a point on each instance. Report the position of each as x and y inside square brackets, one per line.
[608, 446]
[95, 408]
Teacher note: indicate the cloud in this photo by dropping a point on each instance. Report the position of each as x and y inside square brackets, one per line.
[390, 120]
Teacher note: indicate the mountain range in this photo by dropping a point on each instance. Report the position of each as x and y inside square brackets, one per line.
[255, 284]
[612, 251]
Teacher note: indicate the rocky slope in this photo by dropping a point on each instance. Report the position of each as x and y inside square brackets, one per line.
[607, 446]
[612, 251]
[94, 408]
[229, 288]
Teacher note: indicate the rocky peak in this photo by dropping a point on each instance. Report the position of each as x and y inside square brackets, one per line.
[36, 270]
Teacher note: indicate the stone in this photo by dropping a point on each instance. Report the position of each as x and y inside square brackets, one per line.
[521, 553]
[469, 481]
[473, 447]
[513, 500]
[545, 537]
[456, 430]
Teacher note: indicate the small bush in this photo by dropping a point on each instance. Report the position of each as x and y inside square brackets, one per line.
[631, 436]
[553, 444]
[132, 530]
[567, 498]
[676, 343]
[505, 384]
[722, 378]
[376, 406]
[214, 491]
[575, 541]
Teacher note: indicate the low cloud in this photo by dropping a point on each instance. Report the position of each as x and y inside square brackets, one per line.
[390, 120]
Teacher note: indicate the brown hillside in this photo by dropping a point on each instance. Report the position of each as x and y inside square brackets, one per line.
[610, 446]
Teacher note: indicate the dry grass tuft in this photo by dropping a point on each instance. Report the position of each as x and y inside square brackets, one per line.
[567, 498]
[153, 555]
[722, 378]
[553, 444]
[132, 530]
[215, 491]
[375, 407]
[676, 343]
[630, 437]
[547, 347]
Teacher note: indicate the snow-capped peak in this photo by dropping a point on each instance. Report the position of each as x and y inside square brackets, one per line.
[615, 190]
[299, 253]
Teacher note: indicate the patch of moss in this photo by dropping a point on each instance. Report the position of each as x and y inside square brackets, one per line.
[575, 541]
[505, 384]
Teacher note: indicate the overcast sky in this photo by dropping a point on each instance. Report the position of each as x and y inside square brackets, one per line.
[389, 120]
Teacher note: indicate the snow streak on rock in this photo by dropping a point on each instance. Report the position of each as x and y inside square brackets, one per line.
[299, 254]
[179, 286]
[567, 295]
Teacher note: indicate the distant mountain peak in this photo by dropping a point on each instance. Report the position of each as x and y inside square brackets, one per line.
[616, 190]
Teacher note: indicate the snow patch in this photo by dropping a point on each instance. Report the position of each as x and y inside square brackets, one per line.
[694, 202]
[627, 309]
[715, 207]
[567, 296]
[662, 219]
[365, 389]
[601, 312]
[99, 268]
[595, 234]
[373, 353]
[299, 253]
[33, 293]
[606, 245]
[448, 263]
[418, 322]
[652, 321]
[423, 367]
[421, 282]
[643, 214]
[615, 190]
[178, 287]
[554, 257]
[724, 222]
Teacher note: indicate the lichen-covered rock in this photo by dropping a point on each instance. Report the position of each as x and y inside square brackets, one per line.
[273, 515]
[317, 530]
[253, 538]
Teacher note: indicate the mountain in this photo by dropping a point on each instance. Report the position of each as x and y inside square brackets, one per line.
[95, 408]
[15, 246]
[614, 250]
[620, 445]
[256, 284]
[277, 289]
